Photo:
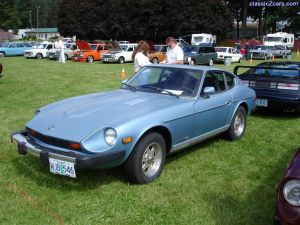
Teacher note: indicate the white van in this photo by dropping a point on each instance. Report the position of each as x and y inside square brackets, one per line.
[280, 38]
[203, 38]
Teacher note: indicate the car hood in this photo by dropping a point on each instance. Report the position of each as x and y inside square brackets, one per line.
[83, 45]
[75, 118]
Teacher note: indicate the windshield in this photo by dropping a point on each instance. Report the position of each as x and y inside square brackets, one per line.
[220, 49]
[277, 72]
[42, 46]
[94, 47]
[274, 39]
[198, 39]
[123, 47]
[261, 47]
[190, 49]
[162, 80]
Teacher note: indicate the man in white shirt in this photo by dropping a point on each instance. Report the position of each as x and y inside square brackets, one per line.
[174, 54]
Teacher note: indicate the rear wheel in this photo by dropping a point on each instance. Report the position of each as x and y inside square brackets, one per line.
[238, 124]
[39, 56]
[66, 57]
[147, 159]
[211, 62]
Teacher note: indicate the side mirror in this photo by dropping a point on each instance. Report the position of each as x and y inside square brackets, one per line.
[208, 91]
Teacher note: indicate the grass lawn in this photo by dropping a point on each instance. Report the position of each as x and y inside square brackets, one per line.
[216, 182]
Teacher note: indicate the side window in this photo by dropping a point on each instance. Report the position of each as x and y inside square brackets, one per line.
[13, 45]
[214, 79]
[229, 50]
[20, 45]
[49, 46]
[229, 80]
[130, 49]
[164, 49]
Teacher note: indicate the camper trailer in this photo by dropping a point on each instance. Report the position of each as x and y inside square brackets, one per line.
[280, 38]
[203, 38]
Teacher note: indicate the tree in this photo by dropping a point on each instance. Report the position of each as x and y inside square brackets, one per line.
[8, 15]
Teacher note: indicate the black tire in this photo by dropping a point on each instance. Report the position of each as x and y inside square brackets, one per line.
[238, 124]
[66, 57]
[39, 56]
[147, 159]
[154, 60]
[121, 60]
[239, 60]
[90, 59]
[210, 62]
[2, 54]
[192, 62]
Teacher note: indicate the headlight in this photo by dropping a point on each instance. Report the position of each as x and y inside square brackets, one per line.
[291, 192]
[110, 136]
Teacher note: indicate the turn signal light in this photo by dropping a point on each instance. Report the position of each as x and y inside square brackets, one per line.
[74, 146]
[127, 140]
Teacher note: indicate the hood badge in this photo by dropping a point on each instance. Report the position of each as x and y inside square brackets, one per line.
[51, 128]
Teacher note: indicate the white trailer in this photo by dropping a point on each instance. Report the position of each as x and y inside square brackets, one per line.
[203, 38]
[280, 38]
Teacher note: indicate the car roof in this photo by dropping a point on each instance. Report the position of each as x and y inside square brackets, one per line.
[185, 66]
[280, 63]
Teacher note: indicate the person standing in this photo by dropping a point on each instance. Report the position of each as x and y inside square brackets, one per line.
[174, 54]
[61, 47]
[140, 55]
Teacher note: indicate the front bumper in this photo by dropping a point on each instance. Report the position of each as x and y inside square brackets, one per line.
[109, 59]
[281, 102]
[78, 59]
[81, 160]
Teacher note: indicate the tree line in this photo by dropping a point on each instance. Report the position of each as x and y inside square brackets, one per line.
[141, 19]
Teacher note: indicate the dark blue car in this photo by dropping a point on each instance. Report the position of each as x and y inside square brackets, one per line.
[277, 84]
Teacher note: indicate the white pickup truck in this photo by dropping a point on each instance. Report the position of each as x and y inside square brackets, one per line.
[40, 51]
[124, 54]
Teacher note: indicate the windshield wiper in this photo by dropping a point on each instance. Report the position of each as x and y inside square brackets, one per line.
[133, 88]
[162, 90]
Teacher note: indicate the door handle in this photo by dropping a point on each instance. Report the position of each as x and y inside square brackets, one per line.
[228, 102]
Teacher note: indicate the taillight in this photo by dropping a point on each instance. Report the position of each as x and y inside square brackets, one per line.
[288, 86]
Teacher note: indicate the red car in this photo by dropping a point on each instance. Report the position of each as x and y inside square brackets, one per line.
[288, 194]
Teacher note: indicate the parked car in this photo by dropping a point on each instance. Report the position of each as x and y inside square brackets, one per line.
[199, 54]
[282, 51]
[121, 55]
[92, 52]
[14, 48]
[40, 51]
[277, 84]
[159, 54]
[288, 197]
[1, 68]
[263, 52]
[69, 50]
[228, 52]
[158, 111]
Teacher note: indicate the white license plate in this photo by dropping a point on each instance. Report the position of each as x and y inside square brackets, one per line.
[106, 60]
[62, 167]
[76, 58]
[262, 102]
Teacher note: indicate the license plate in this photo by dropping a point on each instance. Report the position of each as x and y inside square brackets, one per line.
[62, 167]
[76, 58]
[262, 102]
[105, 59]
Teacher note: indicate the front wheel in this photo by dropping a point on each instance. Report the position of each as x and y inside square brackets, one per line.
[39, 56]
[121, 60]
[2, 54]
[154, 60]
[147, 159]
[211, 62]
[90, 59]
[238, 125]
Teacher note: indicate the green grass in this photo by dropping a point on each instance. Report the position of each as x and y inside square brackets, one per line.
[213, 183]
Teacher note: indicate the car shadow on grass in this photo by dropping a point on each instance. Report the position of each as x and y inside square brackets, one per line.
[275, 114]
[254, 208]
[32, 169]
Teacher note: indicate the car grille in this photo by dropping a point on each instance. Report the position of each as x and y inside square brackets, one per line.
[256, 54]
[106, 56]
[50, 140]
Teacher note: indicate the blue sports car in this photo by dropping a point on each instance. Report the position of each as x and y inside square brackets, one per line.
[159, 110]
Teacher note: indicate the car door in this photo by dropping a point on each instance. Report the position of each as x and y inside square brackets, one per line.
[212, 112]
[199, 58]
[128, 53]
